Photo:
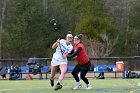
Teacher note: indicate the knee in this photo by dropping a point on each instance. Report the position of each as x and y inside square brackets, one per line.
[73, 73]
[62, 72]
[83, 77]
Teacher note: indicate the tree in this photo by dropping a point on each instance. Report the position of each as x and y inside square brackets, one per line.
[101, 34]
[134, 25]
[88, 17]
[3, 8]
[26, 33]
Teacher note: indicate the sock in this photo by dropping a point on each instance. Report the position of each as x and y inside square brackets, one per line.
[88, 85]
[78, 83]
[58, 83]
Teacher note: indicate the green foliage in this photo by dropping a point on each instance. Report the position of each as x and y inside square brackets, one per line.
[68, 13]
[93, 26]
[131, 37]
[0, 6]
[76, 15]
[26, 33]
[134, 16]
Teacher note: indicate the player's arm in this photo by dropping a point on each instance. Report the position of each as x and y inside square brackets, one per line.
[56, 44]
[75, 53]
[65, 55]
[71, 52]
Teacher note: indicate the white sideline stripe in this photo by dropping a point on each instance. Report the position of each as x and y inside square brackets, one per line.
[20, 88]
[6, 89]
[26, 88]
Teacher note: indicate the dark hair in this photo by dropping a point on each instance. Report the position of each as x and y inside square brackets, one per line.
[79, 36]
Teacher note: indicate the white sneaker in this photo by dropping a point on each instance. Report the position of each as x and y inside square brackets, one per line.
[89, 87]
[78, 86]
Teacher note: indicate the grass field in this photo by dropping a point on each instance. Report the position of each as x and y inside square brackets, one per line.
[43, 86]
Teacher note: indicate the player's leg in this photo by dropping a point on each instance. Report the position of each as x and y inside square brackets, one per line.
[75, 73]
[53, 71]
[63, 69]
[85, 69]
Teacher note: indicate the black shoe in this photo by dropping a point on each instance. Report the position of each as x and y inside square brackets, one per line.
[58, 87]
[52, 82]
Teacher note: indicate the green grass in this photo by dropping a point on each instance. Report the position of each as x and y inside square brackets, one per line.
[43, 86]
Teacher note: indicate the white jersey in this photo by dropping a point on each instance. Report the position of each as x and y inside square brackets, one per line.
[60, 50]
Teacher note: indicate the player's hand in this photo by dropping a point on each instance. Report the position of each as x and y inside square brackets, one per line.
[58, 40]
[64, 56]
[68, 56]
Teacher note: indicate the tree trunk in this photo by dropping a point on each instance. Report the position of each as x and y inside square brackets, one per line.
[2, 19]
[45, 5]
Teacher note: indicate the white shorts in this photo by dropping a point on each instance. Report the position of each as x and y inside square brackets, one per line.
[56, 62]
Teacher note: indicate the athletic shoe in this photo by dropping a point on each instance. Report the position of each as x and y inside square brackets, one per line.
[58, 87]
[89, 87]
[78, 86]
[52, 82]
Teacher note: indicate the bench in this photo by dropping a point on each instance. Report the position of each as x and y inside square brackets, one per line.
[25, 69]
[93, 69]
[102, 68]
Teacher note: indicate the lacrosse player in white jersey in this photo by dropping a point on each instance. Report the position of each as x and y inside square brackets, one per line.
[63, 48]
